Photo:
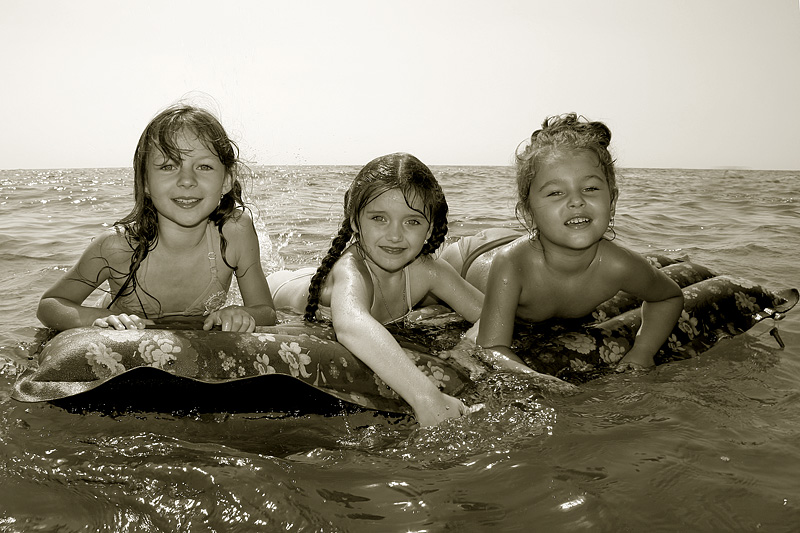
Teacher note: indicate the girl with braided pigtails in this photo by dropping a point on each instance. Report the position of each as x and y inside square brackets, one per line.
[379, 266]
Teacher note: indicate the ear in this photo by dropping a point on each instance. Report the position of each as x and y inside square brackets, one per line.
[531, 220]
[353, 226]
[227, 183]
[613, 208]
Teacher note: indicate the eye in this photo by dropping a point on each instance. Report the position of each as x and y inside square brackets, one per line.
[167, 166]
[553, 193]
[413, 222]
[378, 218]
[205, 167]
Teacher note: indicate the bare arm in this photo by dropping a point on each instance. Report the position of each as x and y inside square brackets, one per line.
[367, 339]
[449, 287]
[61, 306]
[499, 311]
[663, 304]
[258, 308]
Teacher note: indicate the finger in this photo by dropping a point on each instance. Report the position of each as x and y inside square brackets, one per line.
[138, 321]
[210, 321]
[100, 323]
[474, 408]
[238, 323]
[243, 323]
[127, 322]
[231, 324]
[113, 321]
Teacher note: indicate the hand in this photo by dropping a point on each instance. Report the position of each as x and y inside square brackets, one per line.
[232, 318]
[502, 358]
[442, 408]
[121, 321]
[635, 362]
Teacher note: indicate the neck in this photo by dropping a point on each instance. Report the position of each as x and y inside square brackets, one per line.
[567, 261]
[376, 269]
[181, 238]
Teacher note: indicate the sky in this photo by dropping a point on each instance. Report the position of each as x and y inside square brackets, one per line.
[681, 84]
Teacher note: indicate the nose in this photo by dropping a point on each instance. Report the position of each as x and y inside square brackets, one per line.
[394, 232]
[186, 177]
[576, 199]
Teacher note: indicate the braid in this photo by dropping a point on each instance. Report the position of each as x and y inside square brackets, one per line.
[338, 245]
[439, 232]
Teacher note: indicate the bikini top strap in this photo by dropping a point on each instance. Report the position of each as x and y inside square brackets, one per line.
[408, 289]
[407, 284]
[212, 256]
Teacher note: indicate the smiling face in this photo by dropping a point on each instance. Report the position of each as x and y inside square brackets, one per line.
[391, 232]
[570, 201]
[186, 192]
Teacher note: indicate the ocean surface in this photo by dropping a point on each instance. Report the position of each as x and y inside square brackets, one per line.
[708, 444]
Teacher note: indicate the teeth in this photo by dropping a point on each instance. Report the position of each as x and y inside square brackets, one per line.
[578, 220]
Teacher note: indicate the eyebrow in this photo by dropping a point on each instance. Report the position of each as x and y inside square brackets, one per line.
[374, 211]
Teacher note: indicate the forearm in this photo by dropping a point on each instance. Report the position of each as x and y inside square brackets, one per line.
[263, 314]
[658, 320]
[376, 347]
[61, 314]
[495, 338]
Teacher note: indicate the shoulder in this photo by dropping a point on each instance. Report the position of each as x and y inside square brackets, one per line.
[517, 254]
[621, 260]
[238, 225]
[428, 264]
[426, 271]
[113, 240]
[241, 238]
[109, 248]
[349, 267]
[348, 280]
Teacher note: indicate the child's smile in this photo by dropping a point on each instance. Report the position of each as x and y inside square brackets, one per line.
[578, 222]
[187, 203]
[570, 200]
[187, 191]
[390, 232]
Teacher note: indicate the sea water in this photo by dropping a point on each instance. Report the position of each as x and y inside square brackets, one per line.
[708, 444]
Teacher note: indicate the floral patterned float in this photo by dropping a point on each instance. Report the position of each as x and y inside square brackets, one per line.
[289, 368]
[301, 368]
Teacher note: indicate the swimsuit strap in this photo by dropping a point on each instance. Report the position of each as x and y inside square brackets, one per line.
[212, 256]
[408, 289]
[482, 249]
